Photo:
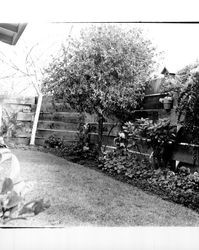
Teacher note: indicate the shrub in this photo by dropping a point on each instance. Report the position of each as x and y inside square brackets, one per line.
[81, 148]
[54, 142]
[160, 136]
[181, 187]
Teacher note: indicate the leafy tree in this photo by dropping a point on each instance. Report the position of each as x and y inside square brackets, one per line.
[103, 72]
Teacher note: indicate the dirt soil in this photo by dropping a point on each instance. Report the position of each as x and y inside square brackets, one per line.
[82, 196]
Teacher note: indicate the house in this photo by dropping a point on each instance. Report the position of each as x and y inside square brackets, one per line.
[165, 72]
[154, 84]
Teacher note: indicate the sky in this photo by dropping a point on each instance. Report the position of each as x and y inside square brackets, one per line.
[179, 44]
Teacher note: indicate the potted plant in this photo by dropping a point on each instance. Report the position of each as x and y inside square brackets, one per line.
[167, 102]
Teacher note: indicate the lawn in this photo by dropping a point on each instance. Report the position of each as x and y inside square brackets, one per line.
[81, 196]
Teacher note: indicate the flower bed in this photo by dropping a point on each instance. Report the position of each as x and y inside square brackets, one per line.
[181, 187]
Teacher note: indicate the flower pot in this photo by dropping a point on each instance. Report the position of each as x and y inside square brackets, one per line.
[168, 104]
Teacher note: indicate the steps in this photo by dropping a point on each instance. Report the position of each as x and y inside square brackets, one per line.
[43, 124]
[65, 134]
[63, 125]
[67, 117]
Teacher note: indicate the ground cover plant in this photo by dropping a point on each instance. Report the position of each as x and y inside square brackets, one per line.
[180, 186]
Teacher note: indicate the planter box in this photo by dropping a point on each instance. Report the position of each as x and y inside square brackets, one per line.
[183, 153]
[152, 101]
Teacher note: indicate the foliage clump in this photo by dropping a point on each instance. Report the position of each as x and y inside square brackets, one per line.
[181, 186]
[188, 107]
[13, 205]
[79, 150]
[10, 125]
[159, 136]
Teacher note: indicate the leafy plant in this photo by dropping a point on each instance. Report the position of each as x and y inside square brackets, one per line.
[81, 148]
[160, 136]
[13, 206]
[181, 187]
[104, 72]
[54, 142]
[188, 108]
[10, 125]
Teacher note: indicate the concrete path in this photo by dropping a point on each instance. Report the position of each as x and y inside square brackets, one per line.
[84, 197]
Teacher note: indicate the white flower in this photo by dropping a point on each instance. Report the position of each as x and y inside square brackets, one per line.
[168, 98]
[121, 135]
[86, 125]
[122, 145]
[85, 148]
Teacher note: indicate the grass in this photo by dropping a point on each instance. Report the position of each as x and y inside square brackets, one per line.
[82, 196]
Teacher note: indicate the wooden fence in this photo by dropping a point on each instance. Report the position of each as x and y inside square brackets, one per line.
[64, 123]
[152, 109]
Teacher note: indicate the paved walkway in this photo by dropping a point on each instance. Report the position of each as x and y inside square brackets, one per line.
[83, 196]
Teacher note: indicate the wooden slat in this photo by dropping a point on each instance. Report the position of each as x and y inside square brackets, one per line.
[57, 125]
[184, 153]
[107, 128]
[25, 116]
[20, 100]
[61, 116]
[18, 141]
[152, 101]
[39, 141]
[64, 134]
[106, 140]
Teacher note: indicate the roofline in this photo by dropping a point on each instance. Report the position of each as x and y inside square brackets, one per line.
[11, 32]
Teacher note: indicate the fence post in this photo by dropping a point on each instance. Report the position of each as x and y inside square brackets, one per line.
[36, 119]
[0, 115]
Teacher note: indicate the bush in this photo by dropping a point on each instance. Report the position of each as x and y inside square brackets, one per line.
[80, 149]
[181, 187]
[160, 136]
[54, 142]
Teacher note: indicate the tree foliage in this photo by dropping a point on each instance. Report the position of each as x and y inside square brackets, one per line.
[102, 72]
[188, 103]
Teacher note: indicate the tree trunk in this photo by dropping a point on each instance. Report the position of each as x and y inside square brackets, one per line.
[100, 133]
